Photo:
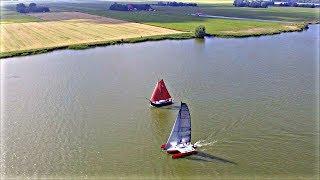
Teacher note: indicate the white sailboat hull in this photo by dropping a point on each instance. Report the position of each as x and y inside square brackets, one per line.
[181, 150]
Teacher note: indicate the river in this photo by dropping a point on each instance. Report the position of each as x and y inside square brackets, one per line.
[83, 113]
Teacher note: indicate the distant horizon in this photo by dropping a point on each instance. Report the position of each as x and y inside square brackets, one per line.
[80, 1]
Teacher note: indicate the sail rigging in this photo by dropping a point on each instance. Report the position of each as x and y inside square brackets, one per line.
[181, 130]
[160, 92]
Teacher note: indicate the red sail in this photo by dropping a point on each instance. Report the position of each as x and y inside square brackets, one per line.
[160, 92]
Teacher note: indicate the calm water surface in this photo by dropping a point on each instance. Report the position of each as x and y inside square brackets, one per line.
[84, 113]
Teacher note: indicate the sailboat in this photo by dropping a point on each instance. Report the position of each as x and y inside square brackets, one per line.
[160, 96]
[179, 141]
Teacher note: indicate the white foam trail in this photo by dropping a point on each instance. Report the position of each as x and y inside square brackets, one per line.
[202, 143]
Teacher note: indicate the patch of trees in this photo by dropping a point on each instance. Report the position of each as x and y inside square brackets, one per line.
[309, 1]
[131, 7]
[176, 4]
[22, 8]
[298, 1]
[200, 31]
[295, 4]
[252, 4]
[306, 5]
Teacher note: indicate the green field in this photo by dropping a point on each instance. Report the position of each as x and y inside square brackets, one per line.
[179, 18]
[271, 13]
[291, 14]
[11, 16]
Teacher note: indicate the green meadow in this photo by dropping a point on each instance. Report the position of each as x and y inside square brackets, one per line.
[291, 14]
[180, 18]
[11, 16]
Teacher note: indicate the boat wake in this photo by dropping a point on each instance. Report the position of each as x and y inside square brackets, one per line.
[202, 143]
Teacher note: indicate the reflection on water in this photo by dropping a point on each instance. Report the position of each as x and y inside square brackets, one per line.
[83, 113]
[200, 40]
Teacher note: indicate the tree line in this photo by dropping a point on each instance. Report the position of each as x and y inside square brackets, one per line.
[22, 8]
[295, 4]
[131, 7]
[176, 4]
[253, 4]
[265, 4]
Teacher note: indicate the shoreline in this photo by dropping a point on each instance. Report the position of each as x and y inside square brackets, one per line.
[180, 36]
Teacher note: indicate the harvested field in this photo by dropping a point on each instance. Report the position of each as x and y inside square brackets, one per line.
[89, 29]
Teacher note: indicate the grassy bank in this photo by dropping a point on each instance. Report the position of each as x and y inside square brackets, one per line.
[96, 44]
[123, 41]
[57, 33]
[234, 28]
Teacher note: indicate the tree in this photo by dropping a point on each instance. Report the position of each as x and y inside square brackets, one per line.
[21, 8]
[118, 7]
[32, 5]
[200, 32]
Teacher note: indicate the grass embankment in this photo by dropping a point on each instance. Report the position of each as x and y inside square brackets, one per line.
[90, 29]
[63, 31]
[96, 44]
[235, 28]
